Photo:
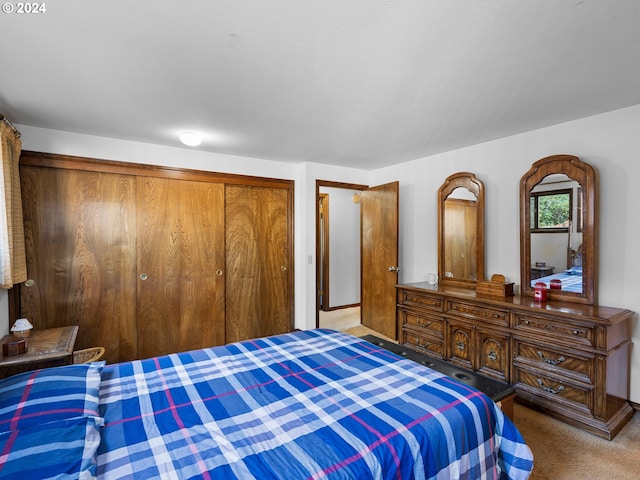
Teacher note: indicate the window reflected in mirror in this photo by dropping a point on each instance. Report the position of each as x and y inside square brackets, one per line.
[551, 211]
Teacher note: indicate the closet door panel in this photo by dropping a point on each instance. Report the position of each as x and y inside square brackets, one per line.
[258, 246]
[80, 230]
[180, 274]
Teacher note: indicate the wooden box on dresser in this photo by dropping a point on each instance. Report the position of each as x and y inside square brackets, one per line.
[566, 359]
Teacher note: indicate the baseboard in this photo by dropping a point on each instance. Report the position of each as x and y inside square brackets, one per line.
[635, 406]
[341, 307]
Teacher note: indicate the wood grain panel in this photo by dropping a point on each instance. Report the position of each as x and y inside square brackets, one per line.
[258, 262]
[461, 344]
[181, 255]
[493, 357]
[460, 227]
[80, 246]
[379, 212]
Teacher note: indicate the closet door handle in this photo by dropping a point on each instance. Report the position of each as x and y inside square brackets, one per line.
[219, 272]
[143, 276]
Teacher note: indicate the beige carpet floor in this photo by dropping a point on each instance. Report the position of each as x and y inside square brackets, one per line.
[562, 452]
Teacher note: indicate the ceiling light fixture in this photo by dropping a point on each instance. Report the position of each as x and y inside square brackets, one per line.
[191, 139]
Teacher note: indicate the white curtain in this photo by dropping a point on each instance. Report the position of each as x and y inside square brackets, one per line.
[13, 267]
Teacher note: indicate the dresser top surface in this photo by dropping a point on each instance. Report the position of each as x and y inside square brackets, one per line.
[597, 313]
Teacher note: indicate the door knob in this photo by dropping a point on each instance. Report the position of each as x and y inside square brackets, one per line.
[394, 269]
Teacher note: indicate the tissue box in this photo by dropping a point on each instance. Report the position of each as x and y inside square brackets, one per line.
[494, 288]
[14, 347]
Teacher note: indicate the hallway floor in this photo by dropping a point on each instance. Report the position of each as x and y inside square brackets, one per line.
[348, 321]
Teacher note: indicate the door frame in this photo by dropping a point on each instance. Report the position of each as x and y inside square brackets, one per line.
[324, 252]
[330, 184]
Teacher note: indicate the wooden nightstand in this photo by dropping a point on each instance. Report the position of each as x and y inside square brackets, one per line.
[538, 272]
[45, 348]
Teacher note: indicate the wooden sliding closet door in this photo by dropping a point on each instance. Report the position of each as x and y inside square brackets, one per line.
[180, 265]
[80, 230]
[148, 260]
[258, 258]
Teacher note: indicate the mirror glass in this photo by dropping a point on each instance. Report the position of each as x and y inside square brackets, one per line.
[556, 233]
[461, 230]
[557, 205]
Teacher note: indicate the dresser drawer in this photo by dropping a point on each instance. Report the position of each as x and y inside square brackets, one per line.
[558, 360]
[422, 323]
[478, 312]
[422, 301]
[555, 390]
[572, 334]
[431, 345]
[493, 357]
[461, 337]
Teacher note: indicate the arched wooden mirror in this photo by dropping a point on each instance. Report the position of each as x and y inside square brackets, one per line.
[557, 228]
[461, 230]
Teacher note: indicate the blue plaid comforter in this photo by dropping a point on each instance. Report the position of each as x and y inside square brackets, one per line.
[306, 405]
[571, 282]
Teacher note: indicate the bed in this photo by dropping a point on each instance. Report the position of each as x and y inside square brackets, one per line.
[309, 404]
[571, 278]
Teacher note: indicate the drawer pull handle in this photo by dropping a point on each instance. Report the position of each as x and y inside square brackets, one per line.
[423, 344]
[575, 332]
[555, 391]
[492, 355]
[550, 361]
[461, 346]
[423, 324]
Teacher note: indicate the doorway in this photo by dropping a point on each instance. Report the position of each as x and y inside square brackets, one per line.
[375, 247]
[338, 253]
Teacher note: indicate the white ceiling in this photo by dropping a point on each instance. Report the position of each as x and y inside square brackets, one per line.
[362, 83]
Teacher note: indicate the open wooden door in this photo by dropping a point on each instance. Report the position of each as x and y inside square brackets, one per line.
[379, 210]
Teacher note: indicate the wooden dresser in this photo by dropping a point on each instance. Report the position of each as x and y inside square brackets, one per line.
[566, 359]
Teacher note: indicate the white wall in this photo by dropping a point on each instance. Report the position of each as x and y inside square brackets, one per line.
[344, 247]
[609, 142]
